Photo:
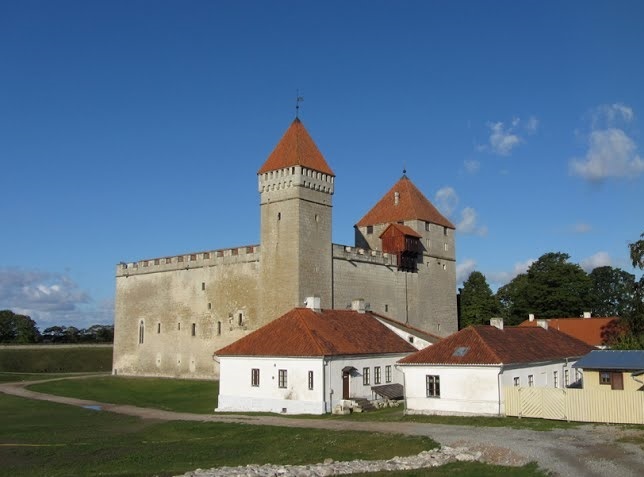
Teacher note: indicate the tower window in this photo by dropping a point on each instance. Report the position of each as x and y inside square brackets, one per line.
[210, 306]
[427, 226]
[158, 328]
[240, 319]
[369, 229]
[279, 216]
[203, 286]
[218, 328]
[141, 332]
[194, 329]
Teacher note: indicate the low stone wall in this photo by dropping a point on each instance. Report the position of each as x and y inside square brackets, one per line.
[433, 458]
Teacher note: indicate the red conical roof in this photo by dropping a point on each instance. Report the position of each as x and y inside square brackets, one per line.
[412, 205]
[296, 148]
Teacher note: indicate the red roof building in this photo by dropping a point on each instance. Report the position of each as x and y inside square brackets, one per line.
[592, 331]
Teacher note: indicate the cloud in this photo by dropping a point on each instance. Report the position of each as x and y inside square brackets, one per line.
[600, 259]
[504, 138]
[611, 153]
[463, 270]
[608, 115]
[446, 199]
[501, 278]
[50, 298]
[581, 228]
[472, 167]
[468, 223]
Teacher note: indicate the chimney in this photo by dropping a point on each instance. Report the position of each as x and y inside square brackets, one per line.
[396, 198]
[497, 323]
[531, 316]
[313, 303]
[543, 324]
[358, 305]
[586, 314]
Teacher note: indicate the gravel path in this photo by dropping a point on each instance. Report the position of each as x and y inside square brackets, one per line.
[589, 450]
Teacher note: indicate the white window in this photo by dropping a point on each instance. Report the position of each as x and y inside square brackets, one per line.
[530, 380]
[254, 377]
[517, 382]
[365, 377]
[310, 380]
[555, 379]
[141, 332]
[432, 386]
[282, 378]
[387, 374]
[376, 375]
[566, 377]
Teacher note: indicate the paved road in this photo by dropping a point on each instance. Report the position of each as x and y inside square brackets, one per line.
[588, 450]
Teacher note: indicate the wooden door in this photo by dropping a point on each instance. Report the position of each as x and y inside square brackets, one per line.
[617, 381]
[345, 385]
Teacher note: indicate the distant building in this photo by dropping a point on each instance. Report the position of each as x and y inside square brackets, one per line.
[172, 312]
[616, 370]
[595, 331]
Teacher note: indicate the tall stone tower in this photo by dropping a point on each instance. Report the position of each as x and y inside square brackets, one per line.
[295, 186]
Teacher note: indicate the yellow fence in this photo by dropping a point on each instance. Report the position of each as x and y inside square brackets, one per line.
[585, 405]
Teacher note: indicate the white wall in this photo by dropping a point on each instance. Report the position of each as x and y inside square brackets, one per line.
[475, 389]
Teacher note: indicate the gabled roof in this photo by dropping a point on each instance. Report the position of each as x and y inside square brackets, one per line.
[403, 229]
[612, 359]
[412, 205]
[304, 332]
[296, 148]
[589, 330]
[431, 338]
[480, 345]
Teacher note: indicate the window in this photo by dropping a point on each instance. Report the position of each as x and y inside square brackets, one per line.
[206, 255]
[428, 244]
[555, 379]
[210, 306]
[194, 329]
[193, 257]
[203, 286]
[279, 216]
[156, 261]
[310, 380]
[530, 380]
[179, 326]
[168, 260]
[445, 246]
[365, 376]
[386, 308]
[445, 231]
[141, 332]
[604, 377]
[240, 319]
[427, 226]
[158, 328]
[254, 377]
[566, 377]
[410, 339]
[432, 386]
[387, 374]
[517, 382]
[281, 378]
[369, 229]
[376, 375]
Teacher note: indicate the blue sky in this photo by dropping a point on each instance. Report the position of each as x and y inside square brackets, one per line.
[134, 129]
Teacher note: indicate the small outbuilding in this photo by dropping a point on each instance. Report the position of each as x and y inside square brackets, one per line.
[616, 370]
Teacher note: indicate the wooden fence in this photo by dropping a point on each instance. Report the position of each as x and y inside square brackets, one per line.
[585, 405]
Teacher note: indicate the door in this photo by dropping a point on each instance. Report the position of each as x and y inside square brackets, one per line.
[345, 384]
[617, 381]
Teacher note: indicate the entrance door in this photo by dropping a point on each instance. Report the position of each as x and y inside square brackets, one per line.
[617, 381]
[345, 384]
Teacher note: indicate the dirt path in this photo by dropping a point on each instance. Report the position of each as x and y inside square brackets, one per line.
[588, 450]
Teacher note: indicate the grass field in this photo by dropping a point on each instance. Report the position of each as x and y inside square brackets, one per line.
[58, 359]
[201, 397]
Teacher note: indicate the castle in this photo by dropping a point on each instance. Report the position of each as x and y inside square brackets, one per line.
[172, 313]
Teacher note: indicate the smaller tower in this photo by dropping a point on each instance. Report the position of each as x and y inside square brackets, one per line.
[295, 186]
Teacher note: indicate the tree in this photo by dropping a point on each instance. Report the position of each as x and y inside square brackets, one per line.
[512, 300]
[637, 253]
[478, 304]
[611, 291]
[557, 288]
[16, 328]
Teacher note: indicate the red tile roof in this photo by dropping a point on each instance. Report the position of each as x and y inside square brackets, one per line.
[412, 205]
[403, 229]
[476, 345]
[592, 331]
[296, 148]
[304, 332]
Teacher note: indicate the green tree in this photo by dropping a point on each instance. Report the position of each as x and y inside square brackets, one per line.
[512, 300]
[16, 328]
[637, 252]
[557, 288]
[611, 291]
[478, 304]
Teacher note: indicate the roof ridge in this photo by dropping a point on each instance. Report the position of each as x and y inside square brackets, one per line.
[485, 343]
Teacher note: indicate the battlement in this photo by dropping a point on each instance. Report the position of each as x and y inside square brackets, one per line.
[187, 261]
[354, 254]
[295, 176]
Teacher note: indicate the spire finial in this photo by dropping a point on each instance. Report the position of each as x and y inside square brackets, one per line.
[298, 100]
[404, 169]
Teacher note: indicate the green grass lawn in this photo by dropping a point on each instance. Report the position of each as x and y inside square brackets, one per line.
[41, 438]
[201, 397]
[6, 377]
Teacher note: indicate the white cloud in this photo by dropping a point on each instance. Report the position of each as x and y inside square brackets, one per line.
[611, 153]
[472, 167]
[446, 200]
[501, 278]
[468, 223]
[463, 270]
[582, 228]
[503, 139]
[50, 299]
[607, 115]
[600, 259]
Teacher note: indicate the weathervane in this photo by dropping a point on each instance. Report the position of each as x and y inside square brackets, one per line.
[298, 100]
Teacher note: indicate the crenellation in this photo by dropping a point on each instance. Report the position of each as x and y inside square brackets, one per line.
[345, 252]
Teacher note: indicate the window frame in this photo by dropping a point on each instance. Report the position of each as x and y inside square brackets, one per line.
[365, 377]
[310, 380]
[432, 386]
[530, 380]
[388, 373]
[376, 375]
[282, 378]
[254, 377]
